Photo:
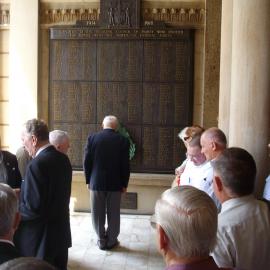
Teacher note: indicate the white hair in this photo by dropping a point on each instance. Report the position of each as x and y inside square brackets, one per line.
[8, 208]
[58, 136]
[110, 121]
[188, 217]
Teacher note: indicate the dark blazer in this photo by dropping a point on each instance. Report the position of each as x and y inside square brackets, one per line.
[13, 173]
[106, 162]
[8, 252]
[44, 206]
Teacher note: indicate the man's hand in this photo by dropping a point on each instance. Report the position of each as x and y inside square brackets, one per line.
[124, 190]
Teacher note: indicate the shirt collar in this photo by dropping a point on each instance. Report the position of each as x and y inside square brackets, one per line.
[42, 148]
[236, 201]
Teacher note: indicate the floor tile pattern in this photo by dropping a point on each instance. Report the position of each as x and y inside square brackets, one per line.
[137, 248]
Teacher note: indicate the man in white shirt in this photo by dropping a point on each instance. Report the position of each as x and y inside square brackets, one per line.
[243, 238]
[198, 171]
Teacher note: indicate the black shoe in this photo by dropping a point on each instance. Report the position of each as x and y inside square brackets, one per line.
[114, 245]
[101, 246]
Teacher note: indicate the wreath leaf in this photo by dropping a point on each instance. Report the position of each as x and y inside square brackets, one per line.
[132, 147]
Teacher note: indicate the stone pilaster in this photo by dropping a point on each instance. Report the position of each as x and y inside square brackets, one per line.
[212, 62]
[23, 66]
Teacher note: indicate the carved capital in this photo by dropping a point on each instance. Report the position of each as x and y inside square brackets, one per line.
[180, 16]
[192, 17]
[68, 15]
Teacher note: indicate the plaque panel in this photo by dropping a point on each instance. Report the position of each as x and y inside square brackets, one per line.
[165, 61]
[73, 101]
[119, 99]
[129, 200]
[119, 60]
[165, 147]
[149, 149]
[165, 104]
[73, 60]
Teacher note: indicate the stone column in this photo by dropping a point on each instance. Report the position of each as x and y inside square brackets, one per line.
[248, 81]
[212, 62]
[225, 66]
[23, 66]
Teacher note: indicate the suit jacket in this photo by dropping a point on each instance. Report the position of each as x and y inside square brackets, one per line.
[13, 174]
[8, 252]
[106, 162]
[44, 206]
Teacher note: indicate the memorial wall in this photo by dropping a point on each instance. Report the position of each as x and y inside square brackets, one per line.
[143, 76]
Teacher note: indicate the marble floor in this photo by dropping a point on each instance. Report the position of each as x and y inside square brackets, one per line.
[137, 248]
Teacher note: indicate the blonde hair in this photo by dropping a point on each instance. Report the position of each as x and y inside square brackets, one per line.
[189, 133]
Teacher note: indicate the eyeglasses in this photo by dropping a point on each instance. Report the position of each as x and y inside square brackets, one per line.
[187, 139]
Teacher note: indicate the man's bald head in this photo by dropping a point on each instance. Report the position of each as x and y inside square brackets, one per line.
[110, 121]
[213, 142]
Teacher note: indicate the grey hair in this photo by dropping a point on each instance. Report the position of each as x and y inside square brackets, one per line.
[110, 121]
[188, 217]
[38, 128]
[8, 208]
[58, 136]
[237, 169]
[26, 263]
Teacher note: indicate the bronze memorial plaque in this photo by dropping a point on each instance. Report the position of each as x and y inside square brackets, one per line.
[129, 200]
[143, 75]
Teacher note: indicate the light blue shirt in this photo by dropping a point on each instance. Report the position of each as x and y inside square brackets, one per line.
[266, 192]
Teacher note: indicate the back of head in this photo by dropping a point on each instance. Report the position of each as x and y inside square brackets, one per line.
[110, 121]
[8, 209]
[57, 136]
[188, 217]
[216, 135]
[237, 170]
[37, 128]
[26, 263]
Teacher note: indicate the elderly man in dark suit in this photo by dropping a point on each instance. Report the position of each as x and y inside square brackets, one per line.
[9, 220]
[106, 167]
[44, 202]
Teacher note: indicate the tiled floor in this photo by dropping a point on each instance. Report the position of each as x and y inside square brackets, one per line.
[137, 248]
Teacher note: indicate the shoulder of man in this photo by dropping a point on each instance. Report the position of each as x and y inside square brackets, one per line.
[266, 202]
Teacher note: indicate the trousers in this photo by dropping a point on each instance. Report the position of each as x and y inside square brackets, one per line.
[106, 204]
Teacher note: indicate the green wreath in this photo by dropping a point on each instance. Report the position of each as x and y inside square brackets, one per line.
[132, 148]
